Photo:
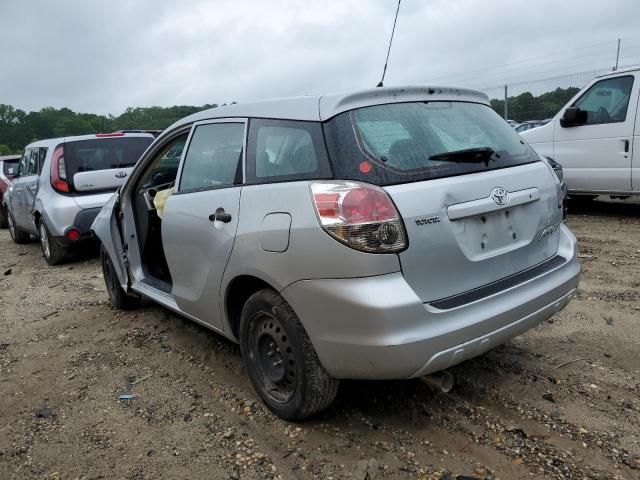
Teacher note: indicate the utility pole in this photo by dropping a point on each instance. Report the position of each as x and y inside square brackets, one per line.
[506, 109]
[617, 57]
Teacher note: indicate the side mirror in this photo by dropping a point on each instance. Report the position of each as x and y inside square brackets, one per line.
[572, 117]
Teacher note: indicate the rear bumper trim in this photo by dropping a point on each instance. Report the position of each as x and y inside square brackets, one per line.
[499, 285]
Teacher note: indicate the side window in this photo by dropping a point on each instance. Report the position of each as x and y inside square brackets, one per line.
[285, 150]
[43, 155]
[164, 167]
[213, 157]
[23, 167]
[606, 101]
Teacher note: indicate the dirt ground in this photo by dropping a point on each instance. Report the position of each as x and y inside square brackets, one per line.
[562, 401]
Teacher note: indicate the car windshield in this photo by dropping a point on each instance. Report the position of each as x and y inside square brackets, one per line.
[103, 153]
[401, 142]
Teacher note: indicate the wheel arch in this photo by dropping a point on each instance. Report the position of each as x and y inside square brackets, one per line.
[237, 292]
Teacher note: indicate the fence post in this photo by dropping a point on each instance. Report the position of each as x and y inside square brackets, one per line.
[506, 109]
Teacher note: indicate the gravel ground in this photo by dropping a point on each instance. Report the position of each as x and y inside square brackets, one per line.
[561, 401]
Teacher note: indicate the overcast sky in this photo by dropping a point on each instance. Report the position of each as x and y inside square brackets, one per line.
[104, 56]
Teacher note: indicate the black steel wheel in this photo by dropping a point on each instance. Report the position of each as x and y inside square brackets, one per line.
[118, 298]
[4, 223]
[280, 360]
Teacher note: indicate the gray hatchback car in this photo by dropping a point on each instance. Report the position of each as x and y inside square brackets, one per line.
[61, 185]
[382, 234]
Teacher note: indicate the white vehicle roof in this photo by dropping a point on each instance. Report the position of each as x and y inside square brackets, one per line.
[52, 142]
[619, 71]
[323, 107]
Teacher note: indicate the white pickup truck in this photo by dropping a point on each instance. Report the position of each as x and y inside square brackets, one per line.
[596, 137]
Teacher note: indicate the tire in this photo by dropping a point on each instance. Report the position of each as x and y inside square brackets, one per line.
[280, 359]
[4, 223]
[17, 235]
[53, 253]
[118, 298]
[583, 198]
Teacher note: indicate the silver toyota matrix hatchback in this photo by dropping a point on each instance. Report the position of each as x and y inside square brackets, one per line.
[381, 234]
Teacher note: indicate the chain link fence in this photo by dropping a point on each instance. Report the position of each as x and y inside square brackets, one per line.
[537, 100]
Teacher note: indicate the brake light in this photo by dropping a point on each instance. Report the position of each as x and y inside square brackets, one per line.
[59, 171]
[360, 215]
[114, 134]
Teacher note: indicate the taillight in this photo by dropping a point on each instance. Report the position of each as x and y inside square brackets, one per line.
[59, 171]
[360, 215]
[557, 174]
[73, 235]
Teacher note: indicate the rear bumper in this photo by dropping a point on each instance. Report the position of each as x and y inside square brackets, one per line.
[82, 222]
[377, 327]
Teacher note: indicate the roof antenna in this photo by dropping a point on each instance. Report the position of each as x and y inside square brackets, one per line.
[389, 50]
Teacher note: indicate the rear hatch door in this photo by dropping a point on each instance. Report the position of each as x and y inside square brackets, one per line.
[461, 238]
[102, 164]
[477, 203]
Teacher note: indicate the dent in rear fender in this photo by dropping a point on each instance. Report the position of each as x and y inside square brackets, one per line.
[382, 310]
[105, 228]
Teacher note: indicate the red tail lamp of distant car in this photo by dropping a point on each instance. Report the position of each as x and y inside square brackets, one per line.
[73, 235]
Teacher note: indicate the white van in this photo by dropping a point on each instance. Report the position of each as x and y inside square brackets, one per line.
[595, 135]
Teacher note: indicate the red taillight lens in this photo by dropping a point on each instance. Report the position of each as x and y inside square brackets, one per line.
[106, 135]
[359, 215]
[73, 235]
[59, 171]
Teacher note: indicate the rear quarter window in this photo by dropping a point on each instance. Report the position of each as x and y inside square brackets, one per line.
[285, 150]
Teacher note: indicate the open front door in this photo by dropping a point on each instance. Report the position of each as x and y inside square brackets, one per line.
[200, 219]
[107, 228]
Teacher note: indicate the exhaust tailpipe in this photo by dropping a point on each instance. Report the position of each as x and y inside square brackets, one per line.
[441, 380]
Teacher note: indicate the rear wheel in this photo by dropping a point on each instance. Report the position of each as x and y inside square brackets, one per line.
[117, 296]
[52, 252]
[280, 359]
[17, 235]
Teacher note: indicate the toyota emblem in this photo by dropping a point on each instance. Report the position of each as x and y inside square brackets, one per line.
[500, 196]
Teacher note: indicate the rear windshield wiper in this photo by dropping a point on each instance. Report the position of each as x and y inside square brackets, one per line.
[468, 155]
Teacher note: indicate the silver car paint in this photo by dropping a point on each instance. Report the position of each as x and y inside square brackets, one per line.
[363, 316]
[491, 243]
[377, 327]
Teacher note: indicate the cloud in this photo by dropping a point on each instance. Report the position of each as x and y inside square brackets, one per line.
[106, 56]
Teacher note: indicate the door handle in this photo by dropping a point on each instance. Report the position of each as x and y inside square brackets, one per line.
[32, 189]
[626, 146]
[220, 215]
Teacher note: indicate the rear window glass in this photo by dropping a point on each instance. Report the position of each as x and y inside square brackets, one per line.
[404, 142]
[10, 167]
[103, 153]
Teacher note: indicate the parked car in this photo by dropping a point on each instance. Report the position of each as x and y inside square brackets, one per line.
[61, 185]
[382, 234]
[529, 124]
[8, 168]
[596, 137]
